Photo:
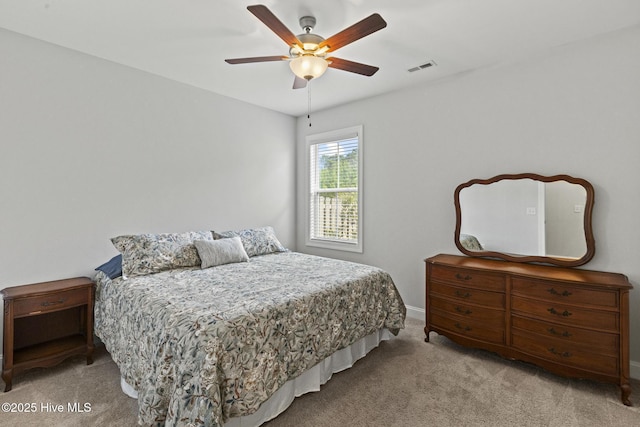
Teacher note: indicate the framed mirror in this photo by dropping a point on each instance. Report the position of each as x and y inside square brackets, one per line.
[526, 218]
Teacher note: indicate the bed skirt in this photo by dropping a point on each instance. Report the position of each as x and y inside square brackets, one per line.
[309, 381]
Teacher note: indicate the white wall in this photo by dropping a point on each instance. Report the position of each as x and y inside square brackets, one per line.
[90, 149]
[575, 111]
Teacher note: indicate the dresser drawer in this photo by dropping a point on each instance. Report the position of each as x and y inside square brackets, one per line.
[565, 314]
[50, 302]
[558, 292]
[468, 311]
[492, 332]
[600, 342]
[468, 278]
[470, 295]
[565, 353]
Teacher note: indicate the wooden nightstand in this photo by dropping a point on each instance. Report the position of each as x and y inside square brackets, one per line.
[45, 323]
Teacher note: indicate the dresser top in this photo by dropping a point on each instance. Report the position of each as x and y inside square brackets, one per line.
[576, 275]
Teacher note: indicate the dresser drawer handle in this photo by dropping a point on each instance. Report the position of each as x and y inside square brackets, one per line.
[565, 334]
[462, 310]
[557, 353]
[462, 294]
[564, 313]
[562, 294]
[461, 277]
[48, 303]
[464, 328]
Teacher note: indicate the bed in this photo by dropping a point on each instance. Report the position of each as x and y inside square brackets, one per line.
[226, 344]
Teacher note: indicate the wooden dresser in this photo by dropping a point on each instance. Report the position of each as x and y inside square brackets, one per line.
[571, 322]
[45, 323]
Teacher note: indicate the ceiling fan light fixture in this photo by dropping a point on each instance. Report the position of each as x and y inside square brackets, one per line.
[308, 66]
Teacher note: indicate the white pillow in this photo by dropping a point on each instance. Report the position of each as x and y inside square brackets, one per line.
[219, 252]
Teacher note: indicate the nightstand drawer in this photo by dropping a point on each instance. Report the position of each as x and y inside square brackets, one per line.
[50, 302]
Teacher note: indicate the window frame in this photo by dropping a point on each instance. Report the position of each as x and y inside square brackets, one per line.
[320, 138]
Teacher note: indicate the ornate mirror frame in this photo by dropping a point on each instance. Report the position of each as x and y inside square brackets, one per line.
[565, 262]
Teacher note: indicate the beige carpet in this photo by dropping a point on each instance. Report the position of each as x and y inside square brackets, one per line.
[404, 382]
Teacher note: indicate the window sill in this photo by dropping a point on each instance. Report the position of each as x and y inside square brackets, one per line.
[338, 246]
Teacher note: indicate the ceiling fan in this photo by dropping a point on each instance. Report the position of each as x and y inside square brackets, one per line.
[308, 52]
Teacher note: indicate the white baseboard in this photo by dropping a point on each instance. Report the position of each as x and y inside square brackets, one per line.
[634, 370]
[415, 312]
[419, 313]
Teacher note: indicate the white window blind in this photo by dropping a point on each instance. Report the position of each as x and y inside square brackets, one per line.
[335, 190]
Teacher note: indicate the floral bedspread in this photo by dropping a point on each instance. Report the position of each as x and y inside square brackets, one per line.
[202, 346]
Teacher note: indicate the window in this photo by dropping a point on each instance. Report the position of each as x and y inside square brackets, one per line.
[334, 205]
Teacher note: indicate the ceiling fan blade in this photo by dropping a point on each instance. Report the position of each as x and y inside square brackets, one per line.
[352, 67]
[355, 32]
[299, 83]
[270, 20]
[256, 59]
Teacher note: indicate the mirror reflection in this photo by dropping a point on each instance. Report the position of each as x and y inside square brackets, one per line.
[525, 217]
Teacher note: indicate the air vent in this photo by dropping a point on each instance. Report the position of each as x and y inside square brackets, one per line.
[423, 66]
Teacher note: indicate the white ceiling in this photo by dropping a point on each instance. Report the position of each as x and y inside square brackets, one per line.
[188, 40]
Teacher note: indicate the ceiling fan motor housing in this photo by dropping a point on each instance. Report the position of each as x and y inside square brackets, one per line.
[307, 23]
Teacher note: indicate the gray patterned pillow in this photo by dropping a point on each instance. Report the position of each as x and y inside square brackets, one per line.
[219, 252]
[150, 253]
[256, 241]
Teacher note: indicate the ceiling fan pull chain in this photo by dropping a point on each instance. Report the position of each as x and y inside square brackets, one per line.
[309, 102]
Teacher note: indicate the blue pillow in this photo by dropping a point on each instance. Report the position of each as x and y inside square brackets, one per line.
[113, 267]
